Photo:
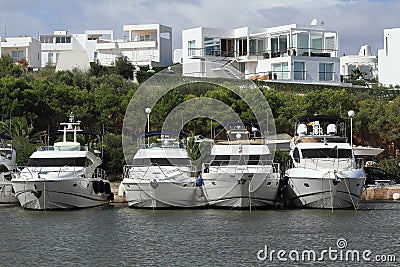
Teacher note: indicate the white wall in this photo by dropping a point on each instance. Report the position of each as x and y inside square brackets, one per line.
[389, 58]
[189, 63]
[178, 54]
[311, 68]
[34, 54]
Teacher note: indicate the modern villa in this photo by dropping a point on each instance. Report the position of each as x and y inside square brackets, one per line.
[289, 53]
[364, 61]
[22, 48]
[144, 45]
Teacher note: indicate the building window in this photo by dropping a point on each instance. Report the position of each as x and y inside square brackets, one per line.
[144, 38]
[46, 39]
[299, 70]
[50, 58]
[212, 46]
[63, 39]
[330, 44]
[191, 48]
[17, 55]
[326, 71]
[242, 45]
[280, 71]
[387, 46]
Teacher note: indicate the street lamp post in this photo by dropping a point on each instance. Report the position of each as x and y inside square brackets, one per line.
[351, 115]
[148, 110]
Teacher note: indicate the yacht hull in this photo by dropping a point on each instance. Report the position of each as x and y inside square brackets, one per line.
[241, 190]
[162, 194]
[7, 196]
[324, 189]
[40, 194]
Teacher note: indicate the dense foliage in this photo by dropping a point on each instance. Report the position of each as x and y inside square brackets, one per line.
[36, 103]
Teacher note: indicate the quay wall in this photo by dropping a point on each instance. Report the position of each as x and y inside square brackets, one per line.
[380, 193]
[117, 199]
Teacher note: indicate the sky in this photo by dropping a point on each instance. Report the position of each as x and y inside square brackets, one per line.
[358, 22]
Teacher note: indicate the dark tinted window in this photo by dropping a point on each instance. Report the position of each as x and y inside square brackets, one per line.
[238, 160]
[161, 162]
[57, 162]
[326, 153]
[296, 155]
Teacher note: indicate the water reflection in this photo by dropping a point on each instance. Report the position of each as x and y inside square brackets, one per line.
[119, 236]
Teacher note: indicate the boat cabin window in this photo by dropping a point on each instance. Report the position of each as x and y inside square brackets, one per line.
[223, 160]
[161, 162]
[326, 153]
[58, 162]
[296, 155]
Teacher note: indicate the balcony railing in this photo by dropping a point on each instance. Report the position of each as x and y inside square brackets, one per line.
[201, 52]
[278, 75]
[292, 51]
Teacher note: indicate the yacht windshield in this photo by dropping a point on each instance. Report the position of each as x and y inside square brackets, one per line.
[326, 153]
[161, 162]
[58, 162]
[221, 160]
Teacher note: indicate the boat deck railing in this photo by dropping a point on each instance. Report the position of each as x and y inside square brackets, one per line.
[224, 165]
[58, 172]
[331, 163]
[99, 174]
[62, 148]
[148, 170]
[160, 145]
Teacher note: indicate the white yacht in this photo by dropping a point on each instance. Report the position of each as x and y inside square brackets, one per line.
[323, 172]
[7, 171]
[161, 174]
[62, 176]
[240, 173]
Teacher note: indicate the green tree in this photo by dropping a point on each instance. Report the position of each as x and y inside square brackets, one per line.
[113, 156]
[8, 67]
[124, 67]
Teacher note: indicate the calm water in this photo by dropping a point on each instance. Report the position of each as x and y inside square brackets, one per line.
[119, 236]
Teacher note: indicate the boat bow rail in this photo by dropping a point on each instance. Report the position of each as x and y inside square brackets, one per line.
[63, 148]
[146, 171]
[29, 172]
[233, 166]
[330, 163]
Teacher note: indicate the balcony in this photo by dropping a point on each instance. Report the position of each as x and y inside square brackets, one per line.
[296, 51]
[106, 45]
[138, 44]
[57, 46]
[202, 52]
[284, 75]
[259, 55]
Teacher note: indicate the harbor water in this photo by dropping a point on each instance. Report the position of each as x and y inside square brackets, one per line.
[120, 236]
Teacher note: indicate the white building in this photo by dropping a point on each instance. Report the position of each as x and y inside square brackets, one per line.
[59, 42]
[148, 44]
[178, 54]
[389, 57]
[144, 45]
[364, 61]
[22, 48]
[292, 53]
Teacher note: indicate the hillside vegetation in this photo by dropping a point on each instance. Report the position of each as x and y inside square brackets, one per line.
[35, 103]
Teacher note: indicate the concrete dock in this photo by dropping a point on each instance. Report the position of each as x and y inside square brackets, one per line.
[117, 199]
[380, 193]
